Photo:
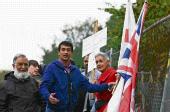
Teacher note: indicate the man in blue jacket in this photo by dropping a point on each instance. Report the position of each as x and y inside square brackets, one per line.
[62, 80]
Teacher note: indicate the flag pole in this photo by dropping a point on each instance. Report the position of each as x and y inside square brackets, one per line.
[111, 52]
[165, 97]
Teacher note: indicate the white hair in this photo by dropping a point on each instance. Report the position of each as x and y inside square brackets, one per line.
[17, 56]
[104, 55]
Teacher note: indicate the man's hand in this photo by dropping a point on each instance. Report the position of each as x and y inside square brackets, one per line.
[53, 99]
[117, 76]
[111, 85]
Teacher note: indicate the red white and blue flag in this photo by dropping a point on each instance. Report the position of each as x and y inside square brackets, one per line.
[123, 96]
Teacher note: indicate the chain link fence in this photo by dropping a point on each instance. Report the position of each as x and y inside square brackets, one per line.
[150, 84]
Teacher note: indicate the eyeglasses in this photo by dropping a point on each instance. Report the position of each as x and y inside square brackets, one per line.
[22, 64]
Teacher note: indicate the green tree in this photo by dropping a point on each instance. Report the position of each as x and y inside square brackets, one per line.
[50, 55]
[157, 9]
[75, 34]
[154, 45]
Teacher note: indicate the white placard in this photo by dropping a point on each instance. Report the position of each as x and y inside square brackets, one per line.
[94, 42]
[91, 62]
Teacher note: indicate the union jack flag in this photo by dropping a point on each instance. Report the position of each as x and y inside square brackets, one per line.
[128, 63]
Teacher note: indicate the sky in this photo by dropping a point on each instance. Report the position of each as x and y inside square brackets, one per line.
[28, 25]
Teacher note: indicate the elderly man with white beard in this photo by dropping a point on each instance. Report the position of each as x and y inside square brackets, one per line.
[19, 92]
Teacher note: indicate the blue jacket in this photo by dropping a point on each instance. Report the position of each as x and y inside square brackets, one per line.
[55, 80]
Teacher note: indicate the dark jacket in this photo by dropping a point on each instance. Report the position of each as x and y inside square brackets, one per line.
[56, 80]
[19, 95]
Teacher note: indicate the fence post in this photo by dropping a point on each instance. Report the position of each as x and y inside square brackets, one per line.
[165, 104]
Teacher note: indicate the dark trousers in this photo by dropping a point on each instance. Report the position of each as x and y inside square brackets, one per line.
[80, 102]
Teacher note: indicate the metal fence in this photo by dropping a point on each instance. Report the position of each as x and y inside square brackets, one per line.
[150, 84]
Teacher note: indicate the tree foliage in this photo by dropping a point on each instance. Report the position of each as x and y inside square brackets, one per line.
[157, 9]
[155, 48]
[154, 39]
[154, 45]
[75, 34]
[50, 55]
